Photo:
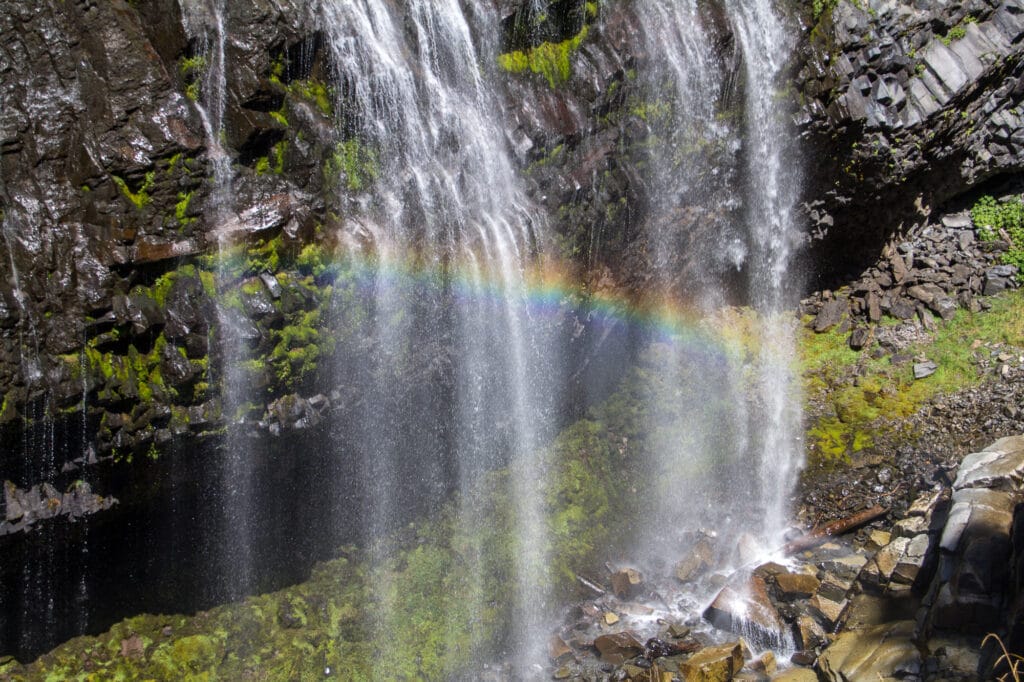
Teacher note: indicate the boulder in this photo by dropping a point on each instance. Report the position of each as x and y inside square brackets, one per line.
[744, 607]
[830, 315]
[713, 664]
[696, 563]
[884, 652]
[626, 583]
[998, 467]
[796, 675]
[558, 651]
[923, 370]
[618, 648]
[796, 585]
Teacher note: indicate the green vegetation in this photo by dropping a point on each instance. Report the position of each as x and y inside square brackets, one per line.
[862, 395]
[551, 60]
[275, 162]
[181, 208]
[820, 7]
[353, 161]
[279, 117]
[140, 198]
[991, 218]
[191, 69]
[313, 91]
[957, 32]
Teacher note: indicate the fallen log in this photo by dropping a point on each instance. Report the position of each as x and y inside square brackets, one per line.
[820, 534]
[590, 585]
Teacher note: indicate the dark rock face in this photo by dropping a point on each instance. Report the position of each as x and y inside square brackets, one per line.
[104, 184]
[907, 106]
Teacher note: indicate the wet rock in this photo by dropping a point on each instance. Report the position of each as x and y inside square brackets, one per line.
[810, 635]
[696, 563]
[563, 673]
[618, 648]
[796, 675]
[830, 612]
[14, 509]
[748, 549]
[884, 652]
[744, 607]
[804, 658]
[626, 583]
[558, 651]
[713, 664]
[796, 585]
[677, 631]
[658, 648]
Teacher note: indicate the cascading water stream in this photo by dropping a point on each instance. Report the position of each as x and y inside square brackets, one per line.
[774, 182]
[448, 200]
[725, 185]
[205, 22]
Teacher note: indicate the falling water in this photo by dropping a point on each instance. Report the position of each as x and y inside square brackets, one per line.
[774, 186]
[722, 227]
[205, 23]
[415, 91]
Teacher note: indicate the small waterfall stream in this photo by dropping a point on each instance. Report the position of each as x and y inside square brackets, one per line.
[205, 22]
[726, 182]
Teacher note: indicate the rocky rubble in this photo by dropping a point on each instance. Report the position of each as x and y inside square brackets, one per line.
[921, 452]
[935, 270]
[911, 601]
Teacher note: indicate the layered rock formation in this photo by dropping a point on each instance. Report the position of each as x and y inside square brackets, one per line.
[908, 106]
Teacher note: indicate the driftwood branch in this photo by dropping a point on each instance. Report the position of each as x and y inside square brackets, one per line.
[820, 534]
[590, 585]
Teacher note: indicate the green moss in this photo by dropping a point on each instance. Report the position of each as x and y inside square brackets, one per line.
[298, 347]
[863, 395]
[172, 163]
[209, 283]
[353, 161]
[993, 218]
[190, 66]
[650, 112]
[313, 260]
[553, 61]
[313, 91]
[141, 198]
[181, 208]
[279, 117]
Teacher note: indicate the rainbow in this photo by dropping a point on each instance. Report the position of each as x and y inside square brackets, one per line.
[549, 288]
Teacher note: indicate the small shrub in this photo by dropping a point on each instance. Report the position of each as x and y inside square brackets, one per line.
[991, 217]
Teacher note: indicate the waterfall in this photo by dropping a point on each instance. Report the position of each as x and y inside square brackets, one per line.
[447, 204]
[774, 180]
[725, 184]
